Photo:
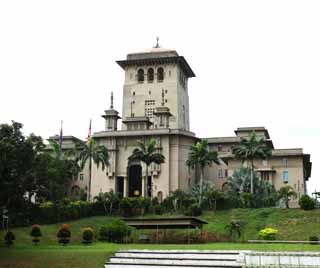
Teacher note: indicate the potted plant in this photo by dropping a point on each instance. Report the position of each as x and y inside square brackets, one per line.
[35, 233]
[87, 235]
[9, 238]
[64, 234]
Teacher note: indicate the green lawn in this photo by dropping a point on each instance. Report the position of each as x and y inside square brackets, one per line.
[292, 224]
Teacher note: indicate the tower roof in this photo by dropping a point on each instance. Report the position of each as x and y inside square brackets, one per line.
[157, 55]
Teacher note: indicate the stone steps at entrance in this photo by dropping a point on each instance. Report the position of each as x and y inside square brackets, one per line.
[174, 258]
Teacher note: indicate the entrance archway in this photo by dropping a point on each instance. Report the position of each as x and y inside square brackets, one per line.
[135, 181]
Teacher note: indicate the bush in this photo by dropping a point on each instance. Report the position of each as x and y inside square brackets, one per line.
[158, 210]
[126, 207]
[116, 231]
[35, 233]
[306, 202]
[9, 238]
[313, 239]
[194, 210]
[87, 235]
[64, 234]
[268, 234]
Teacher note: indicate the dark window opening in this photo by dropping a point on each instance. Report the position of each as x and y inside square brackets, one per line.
[150, 75]
[140, 75]
[160, 74]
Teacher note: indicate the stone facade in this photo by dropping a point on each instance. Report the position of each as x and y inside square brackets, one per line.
[156, 105]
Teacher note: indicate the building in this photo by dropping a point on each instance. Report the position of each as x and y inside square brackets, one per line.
[156, 105]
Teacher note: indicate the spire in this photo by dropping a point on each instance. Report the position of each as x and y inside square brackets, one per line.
[157, 44]
[111, 102]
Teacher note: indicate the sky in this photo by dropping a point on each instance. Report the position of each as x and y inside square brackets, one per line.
[257, 63]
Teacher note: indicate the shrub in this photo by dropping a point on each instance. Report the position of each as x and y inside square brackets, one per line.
[35, 233]
[116, 231]
[87, 235]
[64, 234]
[268, 234]
[9, 238]
[126, 207]
[235, 229]
[306, 202]
[158, 210]
[194, 210]
[313, 239]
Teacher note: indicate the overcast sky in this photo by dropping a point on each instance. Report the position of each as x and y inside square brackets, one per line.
[257, 64]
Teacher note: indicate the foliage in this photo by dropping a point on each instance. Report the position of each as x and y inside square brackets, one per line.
[199, 157]
[64, 234]
[285, 193]
[268, 234]
[235, 229]
[249, 149]
[35, 233]
[239, 187]
[313, 239]
[91, 152]
[87, 235]
[9, 238]
[193, 210]
[109, 200]
[116, 231]
[177, 200]
[147, 154]
[158, 209]
[307, 203]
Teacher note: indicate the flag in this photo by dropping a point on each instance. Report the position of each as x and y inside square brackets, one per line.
[89, 132]
[60, 136]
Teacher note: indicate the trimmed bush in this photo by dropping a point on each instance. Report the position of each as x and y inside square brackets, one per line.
[35, 233]
[306, 202]
[9, 238]
[116, 231]
[158, 210]
[64, 234]
[313, 239]
[87, 235]
[194, 210]
[268, 234]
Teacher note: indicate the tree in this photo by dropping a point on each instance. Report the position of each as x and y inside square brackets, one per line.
[249, 149]
[91, 152]
[107, 199]
[285, 193]
[199, 157]
[17, 163]
[147, 153]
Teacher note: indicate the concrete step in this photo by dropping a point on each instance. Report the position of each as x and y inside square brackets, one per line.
[174, 258]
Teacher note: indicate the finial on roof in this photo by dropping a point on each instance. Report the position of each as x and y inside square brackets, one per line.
[157, 44]
[111, 103]
[162, 95]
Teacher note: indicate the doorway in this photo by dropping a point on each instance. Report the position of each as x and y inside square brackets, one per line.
[135, 181]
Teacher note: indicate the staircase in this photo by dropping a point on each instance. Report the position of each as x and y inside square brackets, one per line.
[175, 258]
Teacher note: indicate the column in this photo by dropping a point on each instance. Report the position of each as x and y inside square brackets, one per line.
[125, 186]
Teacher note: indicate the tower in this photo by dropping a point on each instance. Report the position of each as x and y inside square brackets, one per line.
[111, 117]
[150, 74]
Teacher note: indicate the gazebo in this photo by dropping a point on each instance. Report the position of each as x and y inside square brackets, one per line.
[166, 223]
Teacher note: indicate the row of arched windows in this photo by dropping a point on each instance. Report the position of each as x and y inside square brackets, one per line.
[150, 75]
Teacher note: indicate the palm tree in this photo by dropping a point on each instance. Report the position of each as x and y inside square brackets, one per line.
[57, 151]
[249, 149]
[199, 157]
[148, 155]
[285, 193]
[90, 151]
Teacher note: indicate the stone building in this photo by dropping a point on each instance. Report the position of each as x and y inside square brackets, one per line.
[156, 105]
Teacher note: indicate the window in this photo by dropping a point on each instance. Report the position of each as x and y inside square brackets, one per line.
[150, 75]
[160, 74]
[220, 173]
[264, 175]
[264, 163]
[140, 75]
[81, 176]
[219, 148]
[226, 173]
[285, 176]
[285, 162]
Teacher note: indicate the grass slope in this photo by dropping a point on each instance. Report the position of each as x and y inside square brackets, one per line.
[293, 224]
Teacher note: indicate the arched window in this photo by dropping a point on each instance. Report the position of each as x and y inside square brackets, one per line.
[150, 75]
[160, 196]
[140, 75]
[160, 74]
